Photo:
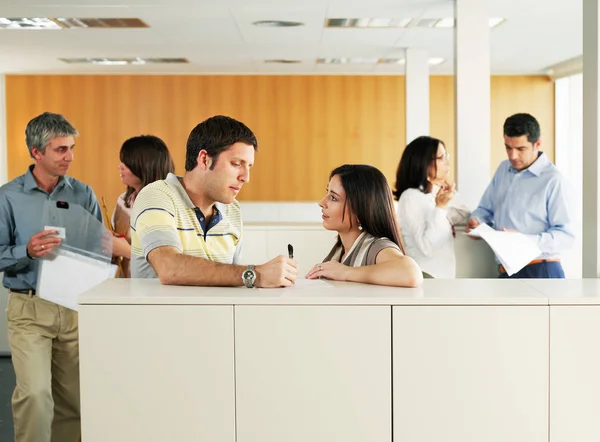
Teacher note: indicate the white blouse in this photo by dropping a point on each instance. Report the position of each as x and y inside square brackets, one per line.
[427, 233]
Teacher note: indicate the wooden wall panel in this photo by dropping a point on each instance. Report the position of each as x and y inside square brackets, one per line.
[441, 114]
[306, 125]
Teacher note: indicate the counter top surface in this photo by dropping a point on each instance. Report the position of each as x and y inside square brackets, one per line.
[568, 291]
[432, 292]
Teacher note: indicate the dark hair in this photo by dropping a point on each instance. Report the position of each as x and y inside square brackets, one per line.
[370, 199]
[413, 169]
[522, 124]
[216, 135]
[148, 158]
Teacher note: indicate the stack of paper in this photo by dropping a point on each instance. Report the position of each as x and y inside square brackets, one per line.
[513, 249]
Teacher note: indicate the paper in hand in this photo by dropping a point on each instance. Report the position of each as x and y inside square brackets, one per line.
[513, 249]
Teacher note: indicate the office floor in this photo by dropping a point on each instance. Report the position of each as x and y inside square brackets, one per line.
[7, 385]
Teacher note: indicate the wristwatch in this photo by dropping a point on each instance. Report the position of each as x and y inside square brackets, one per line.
[249, 276]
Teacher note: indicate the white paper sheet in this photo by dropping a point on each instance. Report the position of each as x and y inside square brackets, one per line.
[306, 284]
[303, 284]
[513, 249]
[66, 275]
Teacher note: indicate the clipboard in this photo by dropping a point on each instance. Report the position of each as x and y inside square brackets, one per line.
[83, 258]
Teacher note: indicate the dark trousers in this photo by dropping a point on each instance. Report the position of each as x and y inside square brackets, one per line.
[540, 270]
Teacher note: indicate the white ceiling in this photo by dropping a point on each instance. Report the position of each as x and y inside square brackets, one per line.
[217, 36]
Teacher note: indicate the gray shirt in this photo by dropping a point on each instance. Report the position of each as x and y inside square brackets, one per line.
[21, 207]
[363, 252]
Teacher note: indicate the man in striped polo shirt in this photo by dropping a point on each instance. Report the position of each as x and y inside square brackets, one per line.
[188, 230]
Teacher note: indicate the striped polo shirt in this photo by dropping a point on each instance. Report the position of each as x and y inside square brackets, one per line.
[164, 215]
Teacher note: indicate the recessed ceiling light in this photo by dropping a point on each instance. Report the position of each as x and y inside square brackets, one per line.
[101, 23]
[60, 23]
[347, 60]
[28, 23]
[283, 61]
[108, 62]
[277, 23]
[434, 61]
[122, 61]
[448, 22]
[174, 60]
[391, 61]
[367, 22]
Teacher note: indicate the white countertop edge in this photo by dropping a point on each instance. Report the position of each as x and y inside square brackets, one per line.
[573, 301]
[313, 301]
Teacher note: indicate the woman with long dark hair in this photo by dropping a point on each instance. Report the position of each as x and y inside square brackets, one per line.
[358, 205]
[423, 194]
[144, 159]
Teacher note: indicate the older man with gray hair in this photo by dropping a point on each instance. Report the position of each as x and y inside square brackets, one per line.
[43, 336]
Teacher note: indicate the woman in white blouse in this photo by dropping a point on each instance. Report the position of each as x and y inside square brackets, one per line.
[423, 194]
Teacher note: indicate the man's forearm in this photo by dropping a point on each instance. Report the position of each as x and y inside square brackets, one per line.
[174, 268]
[398, 272]
[554, 241]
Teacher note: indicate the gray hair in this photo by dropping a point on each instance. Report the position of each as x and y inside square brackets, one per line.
[43, 128]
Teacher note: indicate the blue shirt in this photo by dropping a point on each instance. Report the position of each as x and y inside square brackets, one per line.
[534, 201]
[21, 207]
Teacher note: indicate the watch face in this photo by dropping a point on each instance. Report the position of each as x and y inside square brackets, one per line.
[248, 274]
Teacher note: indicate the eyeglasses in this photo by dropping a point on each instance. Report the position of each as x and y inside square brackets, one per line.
[444, 157]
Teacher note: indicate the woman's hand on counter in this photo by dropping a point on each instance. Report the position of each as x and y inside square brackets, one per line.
[331, 270]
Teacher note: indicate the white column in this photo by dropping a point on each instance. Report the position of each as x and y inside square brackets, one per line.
[417, 94]
[472, 99]
[568, 154]
[568, 146]
[3, 144]
[591, 138]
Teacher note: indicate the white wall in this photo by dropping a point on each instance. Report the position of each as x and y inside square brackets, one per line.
[569, 154]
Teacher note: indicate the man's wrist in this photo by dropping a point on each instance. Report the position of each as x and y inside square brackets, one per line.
[27, 253]
[249, 276]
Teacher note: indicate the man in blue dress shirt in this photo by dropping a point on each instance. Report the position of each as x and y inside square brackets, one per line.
[43, 336]
[529, 194]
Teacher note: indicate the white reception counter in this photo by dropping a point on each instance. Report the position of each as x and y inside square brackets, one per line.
[453, 361]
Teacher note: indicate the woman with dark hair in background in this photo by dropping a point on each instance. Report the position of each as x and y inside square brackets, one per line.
[423, 194]
[144, 159]
[358, 205]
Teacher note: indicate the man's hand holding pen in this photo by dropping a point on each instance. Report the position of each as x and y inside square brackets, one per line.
[279, 272]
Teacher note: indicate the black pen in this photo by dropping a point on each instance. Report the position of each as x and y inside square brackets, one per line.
[290, 251]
